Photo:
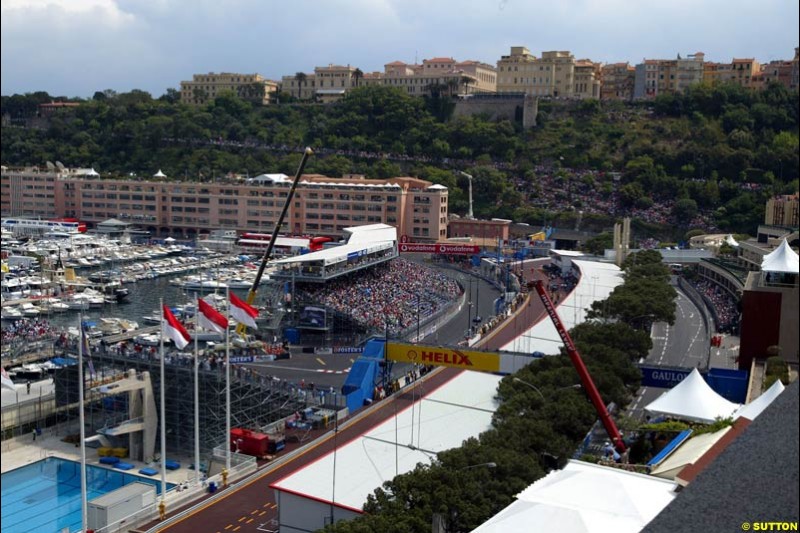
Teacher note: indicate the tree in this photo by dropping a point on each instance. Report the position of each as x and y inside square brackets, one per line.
[301, 78]
[684, 211]
[358, 75]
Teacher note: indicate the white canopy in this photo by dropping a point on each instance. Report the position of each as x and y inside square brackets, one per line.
[693, 399]
[584, 498]
[159, 174]
[729, 240]
[781, 259]
[754, 408]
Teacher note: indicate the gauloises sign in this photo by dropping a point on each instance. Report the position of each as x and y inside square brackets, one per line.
[436, 355]
[447, 249]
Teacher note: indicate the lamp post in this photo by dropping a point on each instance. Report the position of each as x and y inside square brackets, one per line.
[469, 179]
[487, 465]
[531, 385]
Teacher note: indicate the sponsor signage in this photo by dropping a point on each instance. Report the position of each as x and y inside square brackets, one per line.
[446, 249]
[436, 355]
[662, 376]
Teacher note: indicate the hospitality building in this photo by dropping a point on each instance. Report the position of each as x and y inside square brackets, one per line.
[551, 75]
[322, 205]
[667, 76]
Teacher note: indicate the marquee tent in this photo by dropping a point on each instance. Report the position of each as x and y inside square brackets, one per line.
[584, 498]
[781, 259]
[754, 408]
[693, 399]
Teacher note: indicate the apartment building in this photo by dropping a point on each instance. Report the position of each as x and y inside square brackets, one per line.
[667, 76]
[617, 82]
[783, 211]
[588, 77]
[322, 205]
[206, 87]
[444, 75]
[742, 72]
[551, 75]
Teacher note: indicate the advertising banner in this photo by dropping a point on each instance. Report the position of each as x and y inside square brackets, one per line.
[435, 355]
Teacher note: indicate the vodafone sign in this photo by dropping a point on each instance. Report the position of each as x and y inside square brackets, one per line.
[447, 249]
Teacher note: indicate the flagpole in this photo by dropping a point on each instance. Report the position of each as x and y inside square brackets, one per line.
[81, 418]
[228, 381]
[163, 411]
[196, 397]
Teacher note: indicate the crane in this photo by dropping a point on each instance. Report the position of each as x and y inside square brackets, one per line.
[251, 294]
[580, 367]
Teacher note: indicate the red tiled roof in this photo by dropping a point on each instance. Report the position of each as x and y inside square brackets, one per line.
[441, 60]
[395, 64]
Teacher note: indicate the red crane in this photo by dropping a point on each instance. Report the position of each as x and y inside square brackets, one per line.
[583, 373]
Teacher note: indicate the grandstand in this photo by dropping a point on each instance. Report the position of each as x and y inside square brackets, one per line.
[367, 246]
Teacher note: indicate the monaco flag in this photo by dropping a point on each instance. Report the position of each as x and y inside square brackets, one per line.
[209, 318]
[6, 380]
[174, 329]
[242, 312]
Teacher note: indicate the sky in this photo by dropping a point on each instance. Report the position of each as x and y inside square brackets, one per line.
[76, 47]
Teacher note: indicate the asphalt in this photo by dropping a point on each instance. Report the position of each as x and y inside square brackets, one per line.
[251, 506]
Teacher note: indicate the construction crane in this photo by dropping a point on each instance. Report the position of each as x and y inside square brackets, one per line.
[251, 295]
[580, 367]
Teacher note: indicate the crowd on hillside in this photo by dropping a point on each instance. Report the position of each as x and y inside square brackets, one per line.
[390, 295]
[724, 305]
[579, 191]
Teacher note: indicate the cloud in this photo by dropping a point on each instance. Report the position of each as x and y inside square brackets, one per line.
[76, 47]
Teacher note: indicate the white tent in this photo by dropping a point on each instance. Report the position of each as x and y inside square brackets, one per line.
[159, 174]
[781, 259]
[754, 408]
[730, 241]
[584, 498]
[693, 399]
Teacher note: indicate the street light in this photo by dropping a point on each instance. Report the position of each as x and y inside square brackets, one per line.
[487, 465]
[469, 179]
[531, 385]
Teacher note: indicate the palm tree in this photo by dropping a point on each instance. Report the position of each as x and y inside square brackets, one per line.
[357, 75]
[301, 79]
[452, 85]
[467, 81]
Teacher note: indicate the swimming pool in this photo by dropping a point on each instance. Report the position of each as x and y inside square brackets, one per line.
[45, 496]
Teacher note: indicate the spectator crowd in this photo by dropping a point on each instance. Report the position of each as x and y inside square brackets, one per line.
[391, 295]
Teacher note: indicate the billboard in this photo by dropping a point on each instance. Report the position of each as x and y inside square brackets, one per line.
[312, 318]
[446, 249]
[661, 376]
[436, 355]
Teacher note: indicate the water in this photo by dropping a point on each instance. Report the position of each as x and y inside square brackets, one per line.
[142, 300]
[46, 496]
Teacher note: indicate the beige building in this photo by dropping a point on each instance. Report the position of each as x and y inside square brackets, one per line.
[742, 72]
[668, 76]
[617, 82]
[551, 75]
[587, 79]
[322, 205]
[444, 75]
[206, 87]
[783, 211]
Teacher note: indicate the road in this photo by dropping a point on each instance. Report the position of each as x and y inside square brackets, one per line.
[684, 345]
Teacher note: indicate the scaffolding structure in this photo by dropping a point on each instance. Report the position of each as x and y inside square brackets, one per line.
[256, 400]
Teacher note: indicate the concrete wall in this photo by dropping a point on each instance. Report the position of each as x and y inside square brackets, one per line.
[500, 108]
[297, 514]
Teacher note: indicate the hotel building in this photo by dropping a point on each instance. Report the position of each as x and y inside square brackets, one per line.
[321, 206]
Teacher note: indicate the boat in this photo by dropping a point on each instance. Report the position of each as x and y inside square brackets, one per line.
[11, 314]
[28, 309]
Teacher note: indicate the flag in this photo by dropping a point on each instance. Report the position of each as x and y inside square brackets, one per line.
[6, 380]
[87, 349]
[174, 329]
[209, 318]
[242, 312]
